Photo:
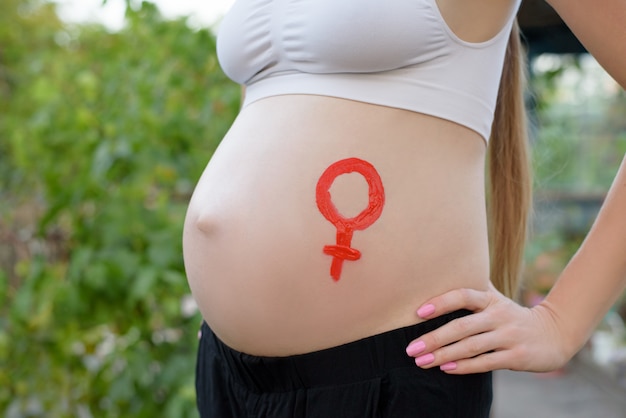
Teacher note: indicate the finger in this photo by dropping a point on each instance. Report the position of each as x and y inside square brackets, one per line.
[481, 364]
[452, 332]
[467, 348]
[470, 299]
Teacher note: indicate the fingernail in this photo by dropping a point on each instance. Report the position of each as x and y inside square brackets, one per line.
[448, 366]
[426, 310]
[424, 360]
[415, 348]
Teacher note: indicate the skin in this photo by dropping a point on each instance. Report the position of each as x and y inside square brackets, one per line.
[504, 335]
[264, 295]
[254, 238]
[475, 20]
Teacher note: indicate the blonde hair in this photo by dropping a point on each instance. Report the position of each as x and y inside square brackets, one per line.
[510, 180]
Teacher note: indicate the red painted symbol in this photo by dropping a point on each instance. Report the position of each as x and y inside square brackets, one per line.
[345, 227]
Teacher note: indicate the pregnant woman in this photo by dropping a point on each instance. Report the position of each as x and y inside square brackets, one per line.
[348, 191]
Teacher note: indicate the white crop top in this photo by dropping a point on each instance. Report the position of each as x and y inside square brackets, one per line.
[397, 53]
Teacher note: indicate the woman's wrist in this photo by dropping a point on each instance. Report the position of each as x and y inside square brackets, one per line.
[564, 336]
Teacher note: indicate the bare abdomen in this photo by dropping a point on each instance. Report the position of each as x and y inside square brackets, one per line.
[259, 249]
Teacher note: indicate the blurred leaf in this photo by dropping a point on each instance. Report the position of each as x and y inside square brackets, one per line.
[102, 137]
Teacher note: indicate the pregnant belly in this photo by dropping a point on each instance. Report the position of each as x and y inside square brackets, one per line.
[320, 221]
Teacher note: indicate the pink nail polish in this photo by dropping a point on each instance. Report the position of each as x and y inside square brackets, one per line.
[424, 360]
[426, 310]
[448, 366]
[415, 348]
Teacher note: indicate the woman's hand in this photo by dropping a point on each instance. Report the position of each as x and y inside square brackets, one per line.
[500, 334]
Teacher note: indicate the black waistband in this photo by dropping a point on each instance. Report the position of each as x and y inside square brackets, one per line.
[360, 360]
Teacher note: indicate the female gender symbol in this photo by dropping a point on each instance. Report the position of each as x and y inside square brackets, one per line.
[345, 227]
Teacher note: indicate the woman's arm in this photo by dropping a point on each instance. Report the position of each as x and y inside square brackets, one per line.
[502, 334]
[601, 27]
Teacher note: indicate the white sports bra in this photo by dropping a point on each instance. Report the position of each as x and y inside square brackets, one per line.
[397, 53]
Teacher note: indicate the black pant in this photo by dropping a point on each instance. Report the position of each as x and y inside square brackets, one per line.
[372, 377]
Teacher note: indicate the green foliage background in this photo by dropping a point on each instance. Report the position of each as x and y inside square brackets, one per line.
[102, 138]
[579, 142]
[580, 137]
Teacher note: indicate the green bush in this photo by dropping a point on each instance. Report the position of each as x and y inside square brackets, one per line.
[579, 142]
[103, 136]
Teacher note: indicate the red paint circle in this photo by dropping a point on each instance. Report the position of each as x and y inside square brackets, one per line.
[376, 194]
